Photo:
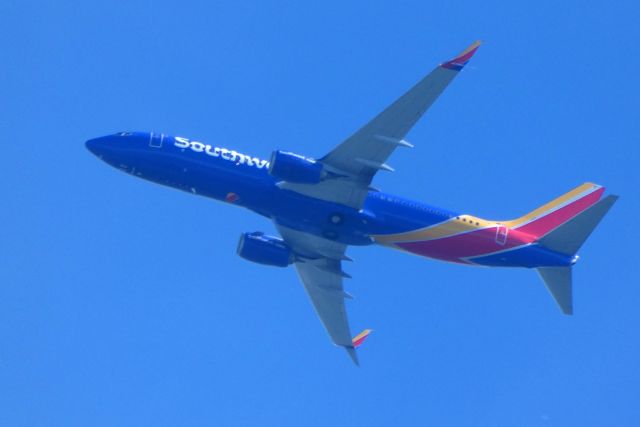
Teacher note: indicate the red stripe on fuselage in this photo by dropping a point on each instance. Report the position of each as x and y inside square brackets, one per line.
[474, 243]
[483, 241]
[541, 226]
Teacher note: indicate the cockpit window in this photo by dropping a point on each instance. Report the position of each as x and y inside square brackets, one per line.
[125, 133]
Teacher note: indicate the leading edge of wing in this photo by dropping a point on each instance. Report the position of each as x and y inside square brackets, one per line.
[366, 151]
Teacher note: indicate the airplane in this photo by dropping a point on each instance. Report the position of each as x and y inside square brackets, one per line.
[320, 206]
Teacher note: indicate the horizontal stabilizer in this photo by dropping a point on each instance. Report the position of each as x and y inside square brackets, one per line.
[569, 237]
[558, 281]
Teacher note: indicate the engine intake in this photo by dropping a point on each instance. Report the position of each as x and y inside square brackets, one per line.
[263, 249]
[295, 168]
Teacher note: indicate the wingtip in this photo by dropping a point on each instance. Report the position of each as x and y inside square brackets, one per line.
[461, 60]
[359, 339]
[357, 342]
[351, 351]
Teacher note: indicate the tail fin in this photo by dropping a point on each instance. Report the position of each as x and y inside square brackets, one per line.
[567, 239]
[547, 217]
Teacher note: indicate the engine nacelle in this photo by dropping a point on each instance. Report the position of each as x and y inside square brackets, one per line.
[295, 168]
[268, 250]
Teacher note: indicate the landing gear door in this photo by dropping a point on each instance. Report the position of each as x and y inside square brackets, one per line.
[501, 234]
[155, 140]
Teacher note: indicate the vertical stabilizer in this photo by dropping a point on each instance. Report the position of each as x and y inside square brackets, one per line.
[544, 219]
[558, 282]
[568, 237]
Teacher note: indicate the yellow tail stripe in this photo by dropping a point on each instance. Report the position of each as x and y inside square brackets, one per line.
[553, 204]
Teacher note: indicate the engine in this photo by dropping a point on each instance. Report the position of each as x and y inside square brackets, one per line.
[295, 168]
[268, 250]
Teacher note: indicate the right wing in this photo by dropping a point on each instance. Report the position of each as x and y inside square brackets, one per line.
[359, 157]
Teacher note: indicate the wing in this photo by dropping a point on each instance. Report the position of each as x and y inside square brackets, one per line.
[320, 270]
[359, 157]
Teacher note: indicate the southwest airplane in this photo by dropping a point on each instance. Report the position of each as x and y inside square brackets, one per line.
[321, 206]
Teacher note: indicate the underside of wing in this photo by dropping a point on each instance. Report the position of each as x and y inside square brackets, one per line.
[356, 160]
[319, 266]
[366, 151]
[338, 190]
[327, 295]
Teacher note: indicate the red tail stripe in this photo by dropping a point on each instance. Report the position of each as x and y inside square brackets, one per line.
[543, 225]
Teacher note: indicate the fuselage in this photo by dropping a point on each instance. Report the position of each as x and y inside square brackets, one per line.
[239, 179]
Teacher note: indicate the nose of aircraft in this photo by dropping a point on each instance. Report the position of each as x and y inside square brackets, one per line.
[96, 145]
[116, 144]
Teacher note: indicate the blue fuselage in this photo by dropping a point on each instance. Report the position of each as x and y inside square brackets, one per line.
[239, 179]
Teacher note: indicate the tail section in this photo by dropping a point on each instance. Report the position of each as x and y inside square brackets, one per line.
[558, 282]
[548, 217]
[566, 239]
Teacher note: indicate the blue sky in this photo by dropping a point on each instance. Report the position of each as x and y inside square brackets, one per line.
[124, 303]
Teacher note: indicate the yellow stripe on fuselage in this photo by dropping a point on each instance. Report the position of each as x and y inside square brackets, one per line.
[457, 225]
[465, 223]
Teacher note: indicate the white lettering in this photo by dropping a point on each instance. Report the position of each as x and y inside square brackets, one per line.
[226, 154]
[229, 155]
[214, 153]
[261, 163]
[196, 146]
[238, 158]
[182, 142]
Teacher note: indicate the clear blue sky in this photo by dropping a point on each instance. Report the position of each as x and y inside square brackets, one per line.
[124, 303]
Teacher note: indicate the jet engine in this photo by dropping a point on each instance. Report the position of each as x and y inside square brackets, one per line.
[263, 249]
[295, 168]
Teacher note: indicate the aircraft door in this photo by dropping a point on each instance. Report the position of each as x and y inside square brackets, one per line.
[156, 139]
[501, 234]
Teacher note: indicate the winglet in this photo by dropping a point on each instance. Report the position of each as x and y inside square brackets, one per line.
[359, 339]
[461, 60]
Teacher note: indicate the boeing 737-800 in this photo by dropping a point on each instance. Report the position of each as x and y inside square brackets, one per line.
[321, 206]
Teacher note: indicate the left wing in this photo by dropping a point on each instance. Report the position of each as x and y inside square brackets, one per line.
[357, 159]
[320, 269]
